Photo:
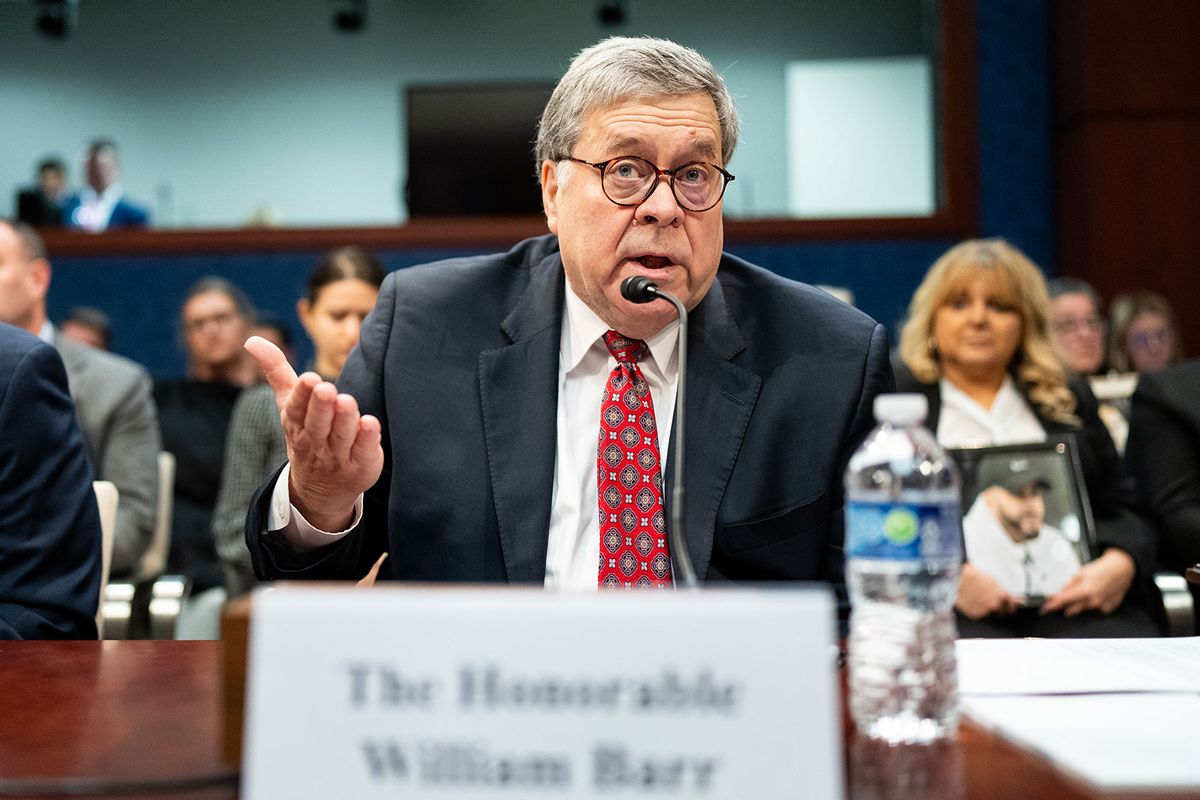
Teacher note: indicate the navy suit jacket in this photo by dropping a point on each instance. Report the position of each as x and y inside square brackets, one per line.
[1164, 454]
[125, 214]
[49, 525]
[459, 360]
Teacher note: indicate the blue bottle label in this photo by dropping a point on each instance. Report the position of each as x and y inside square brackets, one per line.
[903, 530]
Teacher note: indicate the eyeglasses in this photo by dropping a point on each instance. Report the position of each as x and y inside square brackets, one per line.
[220, 320]
[1143, 340]
[629, 181]
[1068, 327]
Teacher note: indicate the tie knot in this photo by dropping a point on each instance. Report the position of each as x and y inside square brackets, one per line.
[623, 349]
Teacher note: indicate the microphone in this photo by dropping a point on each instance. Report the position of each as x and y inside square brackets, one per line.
[640, 289]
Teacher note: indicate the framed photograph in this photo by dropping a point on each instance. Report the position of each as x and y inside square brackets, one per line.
[1026, 521]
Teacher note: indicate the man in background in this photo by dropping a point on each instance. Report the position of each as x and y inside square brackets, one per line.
[112, 396]
[102, 204]
[41, 205]
[49, 524]
[88, 325]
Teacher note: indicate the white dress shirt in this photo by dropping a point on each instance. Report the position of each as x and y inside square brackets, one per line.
[584, 364]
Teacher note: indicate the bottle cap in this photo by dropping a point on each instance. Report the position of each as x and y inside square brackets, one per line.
[901, 409]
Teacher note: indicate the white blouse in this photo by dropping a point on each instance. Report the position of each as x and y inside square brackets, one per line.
[965, 423]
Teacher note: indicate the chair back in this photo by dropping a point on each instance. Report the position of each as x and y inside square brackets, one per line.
[154, 560]
[106, 499]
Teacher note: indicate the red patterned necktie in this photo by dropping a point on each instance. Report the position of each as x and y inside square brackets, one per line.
[633, 528]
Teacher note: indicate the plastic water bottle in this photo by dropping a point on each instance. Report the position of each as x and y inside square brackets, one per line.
[904, 554]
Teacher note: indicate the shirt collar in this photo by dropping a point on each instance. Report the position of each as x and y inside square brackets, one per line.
[583, 332]
[46, 334]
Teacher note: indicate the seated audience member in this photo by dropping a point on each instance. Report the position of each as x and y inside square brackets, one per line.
[1145, 337]
[89, 326]
[112, 396]
[975, 344]
[194, 415]
[1077, 331]
[341, 290]
[102, 205]
[488, 379]
[1164, 454]
[41, 206]
[49, 524]
[1076, 325]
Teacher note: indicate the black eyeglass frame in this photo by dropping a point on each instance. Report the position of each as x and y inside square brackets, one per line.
[659, 173]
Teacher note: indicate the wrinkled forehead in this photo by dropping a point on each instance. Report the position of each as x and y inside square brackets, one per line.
[631, 125]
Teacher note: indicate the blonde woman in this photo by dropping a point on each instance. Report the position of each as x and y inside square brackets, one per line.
[975, 343]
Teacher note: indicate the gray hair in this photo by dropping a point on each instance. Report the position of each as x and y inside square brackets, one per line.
[624, 68]
[1059, 286]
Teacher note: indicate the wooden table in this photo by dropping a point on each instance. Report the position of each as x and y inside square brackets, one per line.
[143, 718]
[137, 718]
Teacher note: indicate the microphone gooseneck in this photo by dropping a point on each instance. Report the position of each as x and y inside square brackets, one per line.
[640, 289]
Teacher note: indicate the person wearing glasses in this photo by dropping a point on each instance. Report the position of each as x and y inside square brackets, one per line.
[1076, 325]
[1145, 336]
[194, 413]
[507, 418]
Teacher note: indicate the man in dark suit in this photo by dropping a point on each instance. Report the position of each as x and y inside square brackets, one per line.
[470, 411]
[40, 206]
[49, 525]
[103, 205]
[112, 396]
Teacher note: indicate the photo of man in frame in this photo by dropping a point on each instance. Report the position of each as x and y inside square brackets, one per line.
[1008, 531]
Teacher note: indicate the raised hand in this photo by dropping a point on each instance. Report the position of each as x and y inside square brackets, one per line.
[335, 453]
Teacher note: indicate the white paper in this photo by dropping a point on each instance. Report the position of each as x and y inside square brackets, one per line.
[1077, 666]
[1116, 741]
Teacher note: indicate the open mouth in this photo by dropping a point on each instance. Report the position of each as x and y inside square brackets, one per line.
[654, 262]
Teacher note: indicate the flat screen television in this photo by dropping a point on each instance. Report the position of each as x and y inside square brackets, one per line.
[470, 148]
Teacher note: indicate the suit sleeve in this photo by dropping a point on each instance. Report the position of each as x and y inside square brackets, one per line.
[1120, 520]
[130, 460]
[877, 379]
[49, 524]
[351, 556]
[1164, 456]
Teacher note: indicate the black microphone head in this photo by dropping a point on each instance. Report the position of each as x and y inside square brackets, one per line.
[639, 289]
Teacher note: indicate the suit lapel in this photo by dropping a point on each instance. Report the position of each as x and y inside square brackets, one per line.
[518, 387]
[720, 401]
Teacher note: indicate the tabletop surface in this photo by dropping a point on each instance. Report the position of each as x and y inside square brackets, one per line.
[144, 718]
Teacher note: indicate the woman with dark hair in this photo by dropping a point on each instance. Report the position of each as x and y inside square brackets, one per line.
[975, 343]
[341, 291]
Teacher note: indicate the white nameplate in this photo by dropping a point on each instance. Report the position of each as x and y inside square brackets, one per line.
[474, 693]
